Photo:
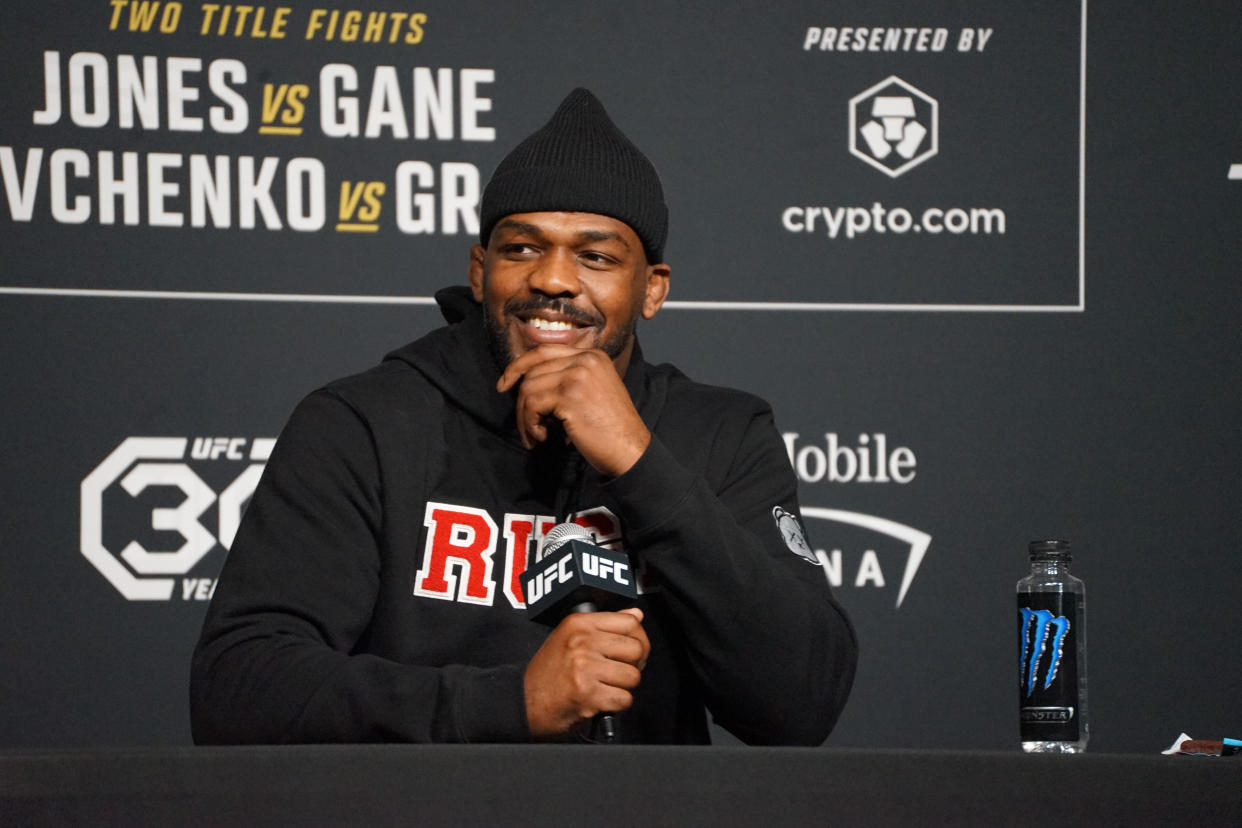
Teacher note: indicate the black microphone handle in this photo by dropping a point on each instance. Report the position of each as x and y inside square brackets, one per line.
[605, 728]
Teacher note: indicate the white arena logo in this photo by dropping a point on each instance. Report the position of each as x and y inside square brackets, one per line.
[894, 127]
[139, 463]
[869, 570]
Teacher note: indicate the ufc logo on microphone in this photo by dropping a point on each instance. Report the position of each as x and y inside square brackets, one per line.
[605, 569]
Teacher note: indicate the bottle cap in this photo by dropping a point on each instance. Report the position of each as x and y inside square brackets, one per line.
[1050, 550]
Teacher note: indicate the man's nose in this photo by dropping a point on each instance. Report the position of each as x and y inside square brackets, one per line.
[556, 274]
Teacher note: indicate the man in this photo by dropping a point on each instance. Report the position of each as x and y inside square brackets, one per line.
[372, 591]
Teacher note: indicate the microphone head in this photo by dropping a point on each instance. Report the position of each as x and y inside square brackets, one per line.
[561, 534]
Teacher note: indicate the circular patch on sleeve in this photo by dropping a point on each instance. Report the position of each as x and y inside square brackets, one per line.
[791, 532]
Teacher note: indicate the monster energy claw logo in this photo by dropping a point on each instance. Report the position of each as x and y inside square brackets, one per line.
[1038, 626]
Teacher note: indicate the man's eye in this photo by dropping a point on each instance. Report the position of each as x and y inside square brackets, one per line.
[522, 250]
[596, 259]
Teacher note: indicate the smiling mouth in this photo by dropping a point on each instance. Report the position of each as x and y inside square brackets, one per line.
[541, 324]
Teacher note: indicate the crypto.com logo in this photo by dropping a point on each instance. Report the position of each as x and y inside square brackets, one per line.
[894, 127]
[869, 569]
[134, 572]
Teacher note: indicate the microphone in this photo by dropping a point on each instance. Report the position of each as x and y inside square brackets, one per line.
[571, 574]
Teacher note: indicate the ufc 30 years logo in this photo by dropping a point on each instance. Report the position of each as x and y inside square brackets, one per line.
[168, 470]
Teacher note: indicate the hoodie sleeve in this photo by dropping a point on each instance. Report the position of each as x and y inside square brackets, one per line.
[276, 660]
[774, 652]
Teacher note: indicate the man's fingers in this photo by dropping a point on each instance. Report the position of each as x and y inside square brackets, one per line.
[532, 414]
[605, 699]
[604, 685]
[622, 648]
[625, 622]
[617, 636]
[538, 400]
[533, 360]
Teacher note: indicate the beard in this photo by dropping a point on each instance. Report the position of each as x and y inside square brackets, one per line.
[498, 343]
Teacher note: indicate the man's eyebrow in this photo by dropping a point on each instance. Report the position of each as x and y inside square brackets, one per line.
[522, 227]
[602, 235]
[518, 227]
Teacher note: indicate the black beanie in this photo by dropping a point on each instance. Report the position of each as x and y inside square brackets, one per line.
[580, 162]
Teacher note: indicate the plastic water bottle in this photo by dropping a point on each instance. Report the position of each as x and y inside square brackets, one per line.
[1052, 653]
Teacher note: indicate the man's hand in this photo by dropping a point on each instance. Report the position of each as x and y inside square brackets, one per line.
[583, 390]
[589, 664]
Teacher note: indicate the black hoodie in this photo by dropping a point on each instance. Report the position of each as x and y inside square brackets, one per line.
[371, 593]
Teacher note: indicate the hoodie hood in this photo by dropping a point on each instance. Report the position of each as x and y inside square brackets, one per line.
[456, 360]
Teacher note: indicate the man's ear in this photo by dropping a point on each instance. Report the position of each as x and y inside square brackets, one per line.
[657, 289]
[476, 272]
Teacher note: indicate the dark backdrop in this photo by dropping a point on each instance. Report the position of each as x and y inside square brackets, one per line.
[1067, 365]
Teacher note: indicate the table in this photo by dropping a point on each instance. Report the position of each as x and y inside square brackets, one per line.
[608, 785]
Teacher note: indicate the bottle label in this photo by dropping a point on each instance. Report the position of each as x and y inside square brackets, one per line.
[1048, 667]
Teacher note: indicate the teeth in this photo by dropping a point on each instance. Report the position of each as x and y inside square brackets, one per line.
[549, 325]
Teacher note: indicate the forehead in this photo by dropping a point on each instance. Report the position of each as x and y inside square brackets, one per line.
[571, 225]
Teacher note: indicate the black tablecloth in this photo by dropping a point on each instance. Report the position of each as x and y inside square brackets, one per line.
[609, 785]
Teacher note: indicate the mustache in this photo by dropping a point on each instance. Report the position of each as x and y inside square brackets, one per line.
[558, 306]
